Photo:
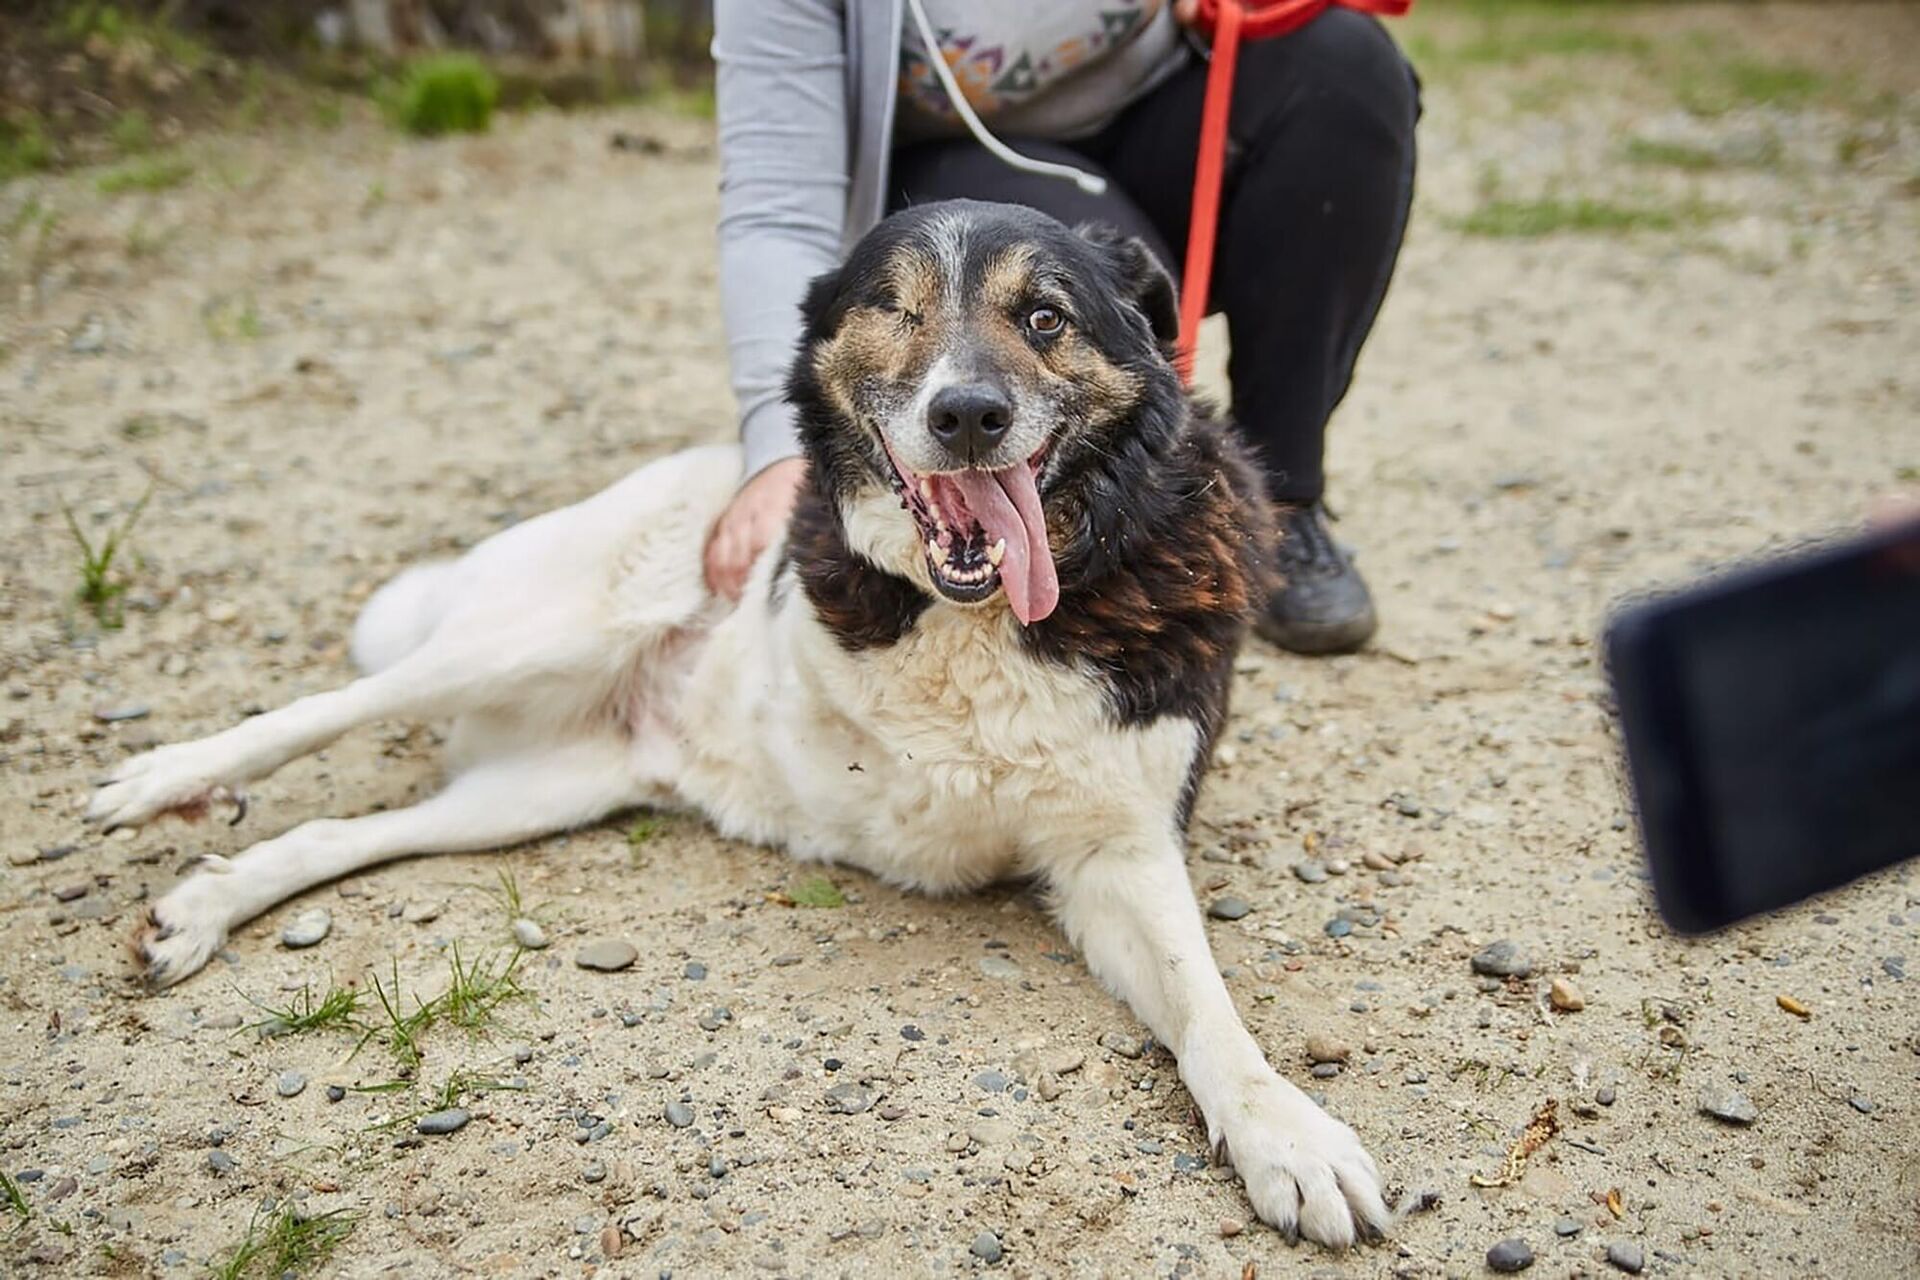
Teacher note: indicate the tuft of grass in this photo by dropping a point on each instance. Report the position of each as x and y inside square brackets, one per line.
[448, 93]
[24, 147]
[337, 1007]
[1673, 155]
[1718, 88]
[817, 891]
[232, 319]
[1526, 219]
[462, 1085]
[645, 828]
[283, 1242]
[477, 990]
[99, 590]
[149, 174]
[131, 133]
[13, 1200]
[402, 1031]
[1507, 43]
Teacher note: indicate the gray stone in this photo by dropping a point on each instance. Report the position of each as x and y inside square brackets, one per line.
[609, 955]
[1605, 1095]
[528, 933]
[1724, 1102]
[1229, 908]
[1627, 1256]
[452, 1120]
[695, 971]
[594, 1171]
[1860, 1104]
[1501, 959]
[1310, 871]
[849, 1099]
[1337, 928]
[220, 1162]
[986, 1247]
[118, 715]
[995, 965]
[991, 1081]
[1565, 1227]
[1509, 1256]
[1124, 1045]
[307, 928]
[335, 1092]
[679, 1114]
[422, 912]
[291, 1084]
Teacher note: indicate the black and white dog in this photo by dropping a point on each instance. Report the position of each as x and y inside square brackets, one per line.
[997, 641]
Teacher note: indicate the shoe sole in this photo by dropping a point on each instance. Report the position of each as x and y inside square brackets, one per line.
[1317, 639]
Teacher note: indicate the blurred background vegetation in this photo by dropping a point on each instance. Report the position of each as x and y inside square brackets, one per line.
[91, 81]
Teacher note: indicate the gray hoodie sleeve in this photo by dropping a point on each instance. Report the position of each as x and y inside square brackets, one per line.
[781, 85]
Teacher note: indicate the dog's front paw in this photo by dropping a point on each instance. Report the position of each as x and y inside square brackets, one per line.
[1305, 1172]
[178, 934]
[183, 778]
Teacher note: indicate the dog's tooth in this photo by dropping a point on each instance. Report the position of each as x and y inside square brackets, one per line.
[926, 488]
[997, 552]
[933, 549]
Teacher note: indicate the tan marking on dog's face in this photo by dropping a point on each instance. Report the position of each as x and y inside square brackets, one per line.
[946, 322]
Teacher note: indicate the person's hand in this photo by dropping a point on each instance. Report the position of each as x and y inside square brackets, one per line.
[749, 523]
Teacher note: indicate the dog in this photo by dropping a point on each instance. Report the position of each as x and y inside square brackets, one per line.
[996, 642]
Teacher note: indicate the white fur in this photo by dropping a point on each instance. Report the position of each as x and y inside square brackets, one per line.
[586, 669]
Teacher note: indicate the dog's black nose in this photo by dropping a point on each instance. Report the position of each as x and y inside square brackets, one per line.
[970, 418]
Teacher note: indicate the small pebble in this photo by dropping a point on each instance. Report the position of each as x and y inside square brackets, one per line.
[117, 715]
[291, 1084]
[1310, 871]
[1509, 1256]
[1501, 959]
[1123, 1045]
[307, 928]
[452, 1120]
[607, 956]
[998, 966]
[849, 1099]
[694, 972]
[1605, 1095]
[528, 933]
[1565, 996]
[1565, 1227]
[1860, 1104]
[1325, 1070]
[1627, 1256]
[593, 1171]
[1229, 908]
[220, 1162]
[679, 1114]
[986, 1247]
[1325, 1048]
[336, 1092]
[1231, 1227]
[1724, 1102]
[422, 912]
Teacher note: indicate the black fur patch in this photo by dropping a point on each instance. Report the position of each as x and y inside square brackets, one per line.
[1167, 560]
[863, 606]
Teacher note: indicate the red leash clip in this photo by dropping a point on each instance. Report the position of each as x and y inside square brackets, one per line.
[1226, 22]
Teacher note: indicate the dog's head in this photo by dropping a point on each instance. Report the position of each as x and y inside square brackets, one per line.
[968, 377]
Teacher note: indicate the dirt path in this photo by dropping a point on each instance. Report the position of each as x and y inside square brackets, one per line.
[336, 353]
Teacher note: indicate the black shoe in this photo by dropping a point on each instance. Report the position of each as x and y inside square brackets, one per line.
[1323, 606]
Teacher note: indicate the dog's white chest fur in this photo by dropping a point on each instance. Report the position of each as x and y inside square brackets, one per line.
[945, 760]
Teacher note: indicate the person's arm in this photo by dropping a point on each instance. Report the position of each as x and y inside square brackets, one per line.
[782, 96]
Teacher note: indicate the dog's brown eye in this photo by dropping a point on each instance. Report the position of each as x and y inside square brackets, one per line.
[1045, 320]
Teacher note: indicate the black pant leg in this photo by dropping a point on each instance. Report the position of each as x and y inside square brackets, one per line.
[1318, 182]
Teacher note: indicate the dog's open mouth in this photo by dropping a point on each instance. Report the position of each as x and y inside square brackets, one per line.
[985, 530]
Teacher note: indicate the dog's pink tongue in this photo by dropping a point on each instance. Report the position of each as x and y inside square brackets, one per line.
[1007, 505]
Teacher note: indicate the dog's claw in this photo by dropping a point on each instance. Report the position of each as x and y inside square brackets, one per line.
[239, 809]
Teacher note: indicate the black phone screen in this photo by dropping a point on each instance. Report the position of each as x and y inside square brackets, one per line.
[1772, 722]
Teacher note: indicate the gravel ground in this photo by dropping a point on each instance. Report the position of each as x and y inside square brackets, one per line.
[333, 353]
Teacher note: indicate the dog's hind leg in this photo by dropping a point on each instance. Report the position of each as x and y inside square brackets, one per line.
[544, 661]
[502, 801]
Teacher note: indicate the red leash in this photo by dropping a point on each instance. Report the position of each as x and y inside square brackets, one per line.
[1228, 21]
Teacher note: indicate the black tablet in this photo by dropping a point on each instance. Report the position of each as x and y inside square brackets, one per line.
[1772, 726]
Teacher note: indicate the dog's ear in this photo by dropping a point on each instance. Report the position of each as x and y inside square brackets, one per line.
[1141, 279]
[817, 310]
